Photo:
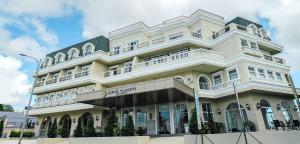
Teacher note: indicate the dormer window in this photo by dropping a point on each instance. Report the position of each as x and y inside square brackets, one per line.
[88, 49]
[59, 58]
[47, 62]
[253, 29]
[73, 53]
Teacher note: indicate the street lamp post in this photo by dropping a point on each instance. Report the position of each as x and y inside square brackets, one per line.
[38, 61]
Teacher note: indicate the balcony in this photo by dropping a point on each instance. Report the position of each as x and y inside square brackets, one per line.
[251, 51]
[274, 59]
[82, 74]
[52, 81]
[184, 59]
[64, 78]
[38, 84]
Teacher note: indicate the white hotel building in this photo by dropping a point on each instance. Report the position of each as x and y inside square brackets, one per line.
[153, 73]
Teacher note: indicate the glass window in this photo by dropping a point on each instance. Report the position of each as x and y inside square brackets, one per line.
[252, 71]
[217, 79]
[261, 73]
[270, 74]
[233, 74]
[88, 50]
[253, 45]
[207, 112]
[268, 57]
[127, 66]
[141, 117]
[278, 76]
[203, 83]
[132, 45]
[116, 50]
[244, 42]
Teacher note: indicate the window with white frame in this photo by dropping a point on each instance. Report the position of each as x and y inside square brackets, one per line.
[70, 72]
[88, 49]
[116, 50]
[72, 54]
[208, 114]
[233, 74]
[270, 74]
[59, 58]
[244, 43]
[217, 79]
[179, 79]
[128, 66]
[261, 73]
[204, 83]
[85, 68]
[132, 45]
[251, 71]
[278, 76]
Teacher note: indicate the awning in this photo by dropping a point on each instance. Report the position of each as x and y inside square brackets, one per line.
[138, 94]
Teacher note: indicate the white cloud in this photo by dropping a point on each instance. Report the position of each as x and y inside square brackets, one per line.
[44, 34]
[14, 84]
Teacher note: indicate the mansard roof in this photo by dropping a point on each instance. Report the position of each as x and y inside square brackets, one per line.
[243, 22]
[100, 43]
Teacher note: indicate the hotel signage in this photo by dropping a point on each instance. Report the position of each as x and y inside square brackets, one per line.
[120, 91]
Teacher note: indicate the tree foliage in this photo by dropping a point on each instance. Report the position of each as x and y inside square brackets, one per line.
[1, 127]
[89, 129]
[52, 132]
[128, 129]
[193, 125]
[7, 108]
[78, 130]
[112, 124]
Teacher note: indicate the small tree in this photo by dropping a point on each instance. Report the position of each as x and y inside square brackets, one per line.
[78, 130]
[89, 130]
[128, 129]
[52, 132]
[1, 127]
[193, 125]
[111, 125]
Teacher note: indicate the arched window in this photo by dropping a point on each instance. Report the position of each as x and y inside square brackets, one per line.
[45, 126]
[204, 83]
[234, 118]
[65, 123]
[267, 113]
[88, 49]
[73, 53]
[47, 62]
[59, 58]
[85, 118]
[253, 29]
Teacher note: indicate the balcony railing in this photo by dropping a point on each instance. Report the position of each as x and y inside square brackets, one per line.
[51, 81]
[251, 51]
[193, 54]
[68, 77]
[38, 84]
[274, 59]
[82, 74]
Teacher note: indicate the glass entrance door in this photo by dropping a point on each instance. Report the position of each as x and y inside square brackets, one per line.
[180, 118]
[164, 119]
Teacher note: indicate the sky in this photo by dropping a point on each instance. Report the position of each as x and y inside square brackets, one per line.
[36, 27]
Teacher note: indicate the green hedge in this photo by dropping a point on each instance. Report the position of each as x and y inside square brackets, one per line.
[27, 134]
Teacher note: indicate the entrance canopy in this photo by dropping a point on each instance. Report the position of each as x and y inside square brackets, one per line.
[138, 94]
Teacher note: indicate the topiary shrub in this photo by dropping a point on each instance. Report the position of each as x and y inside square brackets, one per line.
[89, 130]
[249, 125]
[193, 125]
[27, 134]
[112, 124]
[1, 127]
[52, 132]
[78, 131]
[64, 132]
[141, 131]
[128, 129]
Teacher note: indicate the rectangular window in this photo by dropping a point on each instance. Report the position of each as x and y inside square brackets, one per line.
[253, 45]
[207, 112]
[116, 50]
[270, 74]
[261, 73]
[132, 45]
[233, 74]
[244, 43]
[127, 66]
[278, 76]
[252, 71]
[217, 79]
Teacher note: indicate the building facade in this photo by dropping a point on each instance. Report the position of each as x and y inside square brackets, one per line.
[153, 74]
